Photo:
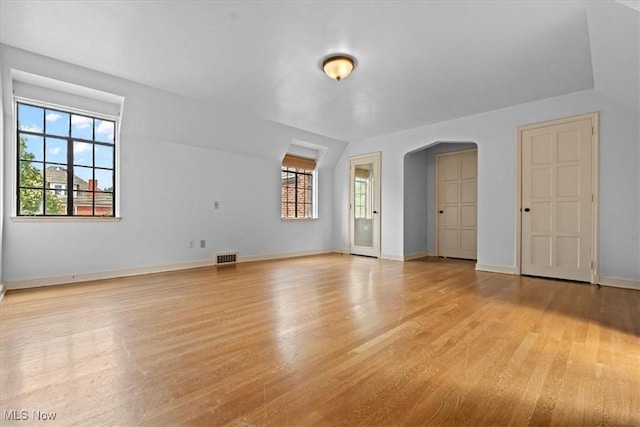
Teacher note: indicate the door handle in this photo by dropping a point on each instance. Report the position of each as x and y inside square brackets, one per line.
[441, 211]
[527, 209]
[375, 212]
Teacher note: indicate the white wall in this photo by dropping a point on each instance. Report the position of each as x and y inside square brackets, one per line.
[495, 134]
[177, 157]
[416, 208]
[614, 39]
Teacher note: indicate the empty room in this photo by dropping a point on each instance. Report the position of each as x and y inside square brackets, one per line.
[305, 213]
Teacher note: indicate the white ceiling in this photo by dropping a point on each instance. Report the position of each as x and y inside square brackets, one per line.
[418, 62]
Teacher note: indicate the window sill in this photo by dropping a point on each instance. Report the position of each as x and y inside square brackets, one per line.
[64, 219]
[298, 219]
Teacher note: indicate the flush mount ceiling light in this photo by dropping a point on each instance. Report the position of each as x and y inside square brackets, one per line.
[338, 66]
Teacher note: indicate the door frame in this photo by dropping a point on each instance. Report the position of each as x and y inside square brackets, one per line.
[595, 188]
[377, 173]
[437, 215]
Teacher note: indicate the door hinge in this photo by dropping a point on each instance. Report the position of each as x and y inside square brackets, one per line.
[593, 264]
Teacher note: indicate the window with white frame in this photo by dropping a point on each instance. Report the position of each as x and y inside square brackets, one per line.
[60, 149]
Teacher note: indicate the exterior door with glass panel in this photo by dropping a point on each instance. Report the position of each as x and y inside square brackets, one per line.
[557, 197]
[364, 205]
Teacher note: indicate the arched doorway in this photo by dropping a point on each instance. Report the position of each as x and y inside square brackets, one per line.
[420, 197]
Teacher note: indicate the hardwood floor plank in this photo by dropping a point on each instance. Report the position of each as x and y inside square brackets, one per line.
[323, 340]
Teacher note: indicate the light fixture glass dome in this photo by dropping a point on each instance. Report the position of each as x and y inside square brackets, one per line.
[338, 66]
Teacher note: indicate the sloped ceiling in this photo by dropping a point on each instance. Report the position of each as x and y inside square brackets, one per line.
[418, 62]
[614, 32]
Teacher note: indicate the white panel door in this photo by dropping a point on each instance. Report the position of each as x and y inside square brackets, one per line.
[457, 204]
[557, 192]
[364, 205]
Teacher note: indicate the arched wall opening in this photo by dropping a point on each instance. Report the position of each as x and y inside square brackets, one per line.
[420, 196]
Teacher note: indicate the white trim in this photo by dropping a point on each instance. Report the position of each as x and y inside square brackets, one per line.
[392, 257]
[497, 269]
[282, 255]
[320, 150]
[595, 186]
[65, 109]
[41, 218]
[112, 274]
[415, 255]
[66, 87]
[377, 206]
[620, 283]
[2, 292]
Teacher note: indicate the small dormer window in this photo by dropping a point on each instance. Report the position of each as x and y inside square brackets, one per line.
[298, 183]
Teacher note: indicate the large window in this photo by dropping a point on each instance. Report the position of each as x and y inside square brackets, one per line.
[66, 162]
[298, 186]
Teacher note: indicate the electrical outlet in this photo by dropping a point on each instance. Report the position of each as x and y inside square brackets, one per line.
[216, 205]
[203, 243]
[192, 244]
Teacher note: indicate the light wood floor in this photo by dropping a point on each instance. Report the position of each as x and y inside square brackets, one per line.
[325, 340]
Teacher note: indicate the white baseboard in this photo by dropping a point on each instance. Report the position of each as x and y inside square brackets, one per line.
[267, 257]
[496, 269]
[604, 281]
[112, 274]
[2, 291]
[408, 257]
[416, 255]
[620, 283]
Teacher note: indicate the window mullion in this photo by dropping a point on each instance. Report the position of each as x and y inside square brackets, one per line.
[19, 165]
[295, 194]
[70, 175]
[44, 170]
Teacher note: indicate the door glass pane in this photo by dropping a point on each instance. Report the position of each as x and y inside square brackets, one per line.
[363, 205]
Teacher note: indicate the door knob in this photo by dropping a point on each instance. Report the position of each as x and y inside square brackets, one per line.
[441, 211]
[527, 209]
[375, 212]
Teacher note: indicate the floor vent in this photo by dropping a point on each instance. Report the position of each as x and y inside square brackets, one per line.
[226, 258]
